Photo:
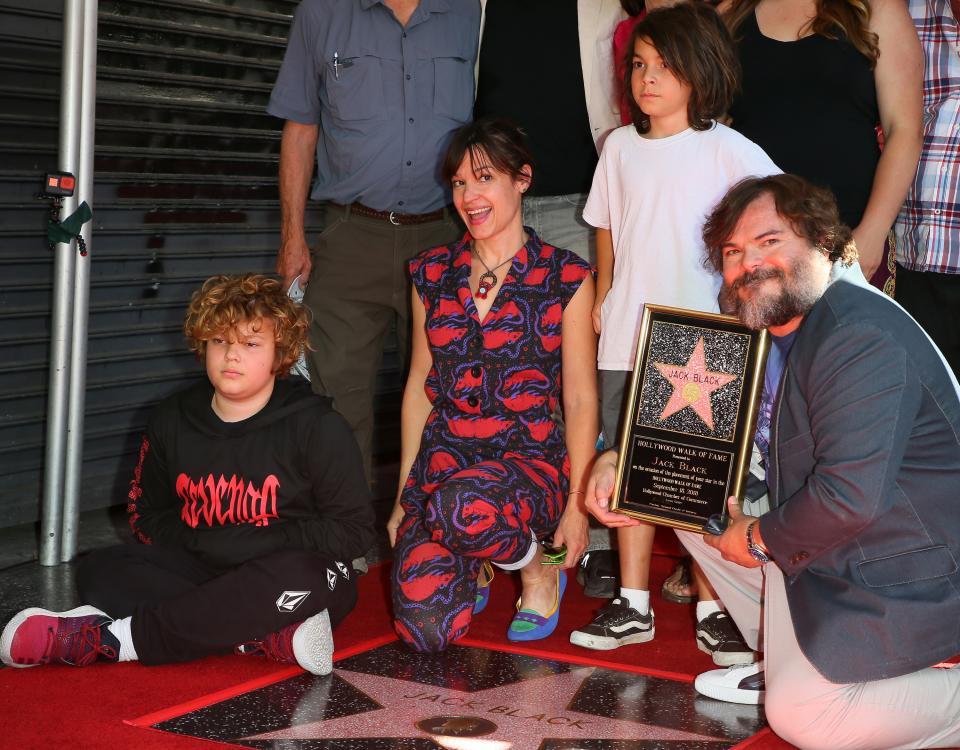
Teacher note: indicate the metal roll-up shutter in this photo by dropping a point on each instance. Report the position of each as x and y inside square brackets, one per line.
[185, 187]
[30, 39]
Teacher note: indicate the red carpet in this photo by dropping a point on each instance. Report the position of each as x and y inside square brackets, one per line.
[50, 707]
[86, 708]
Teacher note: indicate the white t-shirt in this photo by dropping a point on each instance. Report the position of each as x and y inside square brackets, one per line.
[654, 194]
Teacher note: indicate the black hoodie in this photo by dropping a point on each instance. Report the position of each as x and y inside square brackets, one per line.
[289, 477]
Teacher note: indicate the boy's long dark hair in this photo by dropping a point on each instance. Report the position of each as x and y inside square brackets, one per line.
[695, 44]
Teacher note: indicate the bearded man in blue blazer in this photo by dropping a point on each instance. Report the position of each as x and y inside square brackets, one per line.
[848, 580]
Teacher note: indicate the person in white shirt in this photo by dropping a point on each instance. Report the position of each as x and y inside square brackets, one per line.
[655, 183]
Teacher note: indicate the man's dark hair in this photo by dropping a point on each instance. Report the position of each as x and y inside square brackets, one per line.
[810, 210]
[633, 7]
[698, 49]
[495, 141]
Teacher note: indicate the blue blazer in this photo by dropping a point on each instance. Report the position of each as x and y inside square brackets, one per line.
[865, 489]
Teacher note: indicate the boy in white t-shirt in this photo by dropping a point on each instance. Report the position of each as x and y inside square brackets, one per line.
[656, 182]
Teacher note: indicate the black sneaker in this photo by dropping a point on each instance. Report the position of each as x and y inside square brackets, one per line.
[718, 636]
[616, 625]
[599, 573]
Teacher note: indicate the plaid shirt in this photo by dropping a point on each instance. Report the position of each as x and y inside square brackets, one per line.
[928, 227]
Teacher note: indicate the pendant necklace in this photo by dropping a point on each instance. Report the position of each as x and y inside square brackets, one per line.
[488, 279]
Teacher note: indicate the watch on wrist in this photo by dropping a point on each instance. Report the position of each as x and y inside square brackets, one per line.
[757, 551]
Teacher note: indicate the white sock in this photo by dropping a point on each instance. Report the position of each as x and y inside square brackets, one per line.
[121, 631]
[636, 598]
[705, 609]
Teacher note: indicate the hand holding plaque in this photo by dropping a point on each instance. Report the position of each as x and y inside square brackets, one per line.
[690, 417]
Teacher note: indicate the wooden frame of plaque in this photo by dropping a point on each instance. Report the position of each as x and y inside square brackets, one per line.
[689, 418]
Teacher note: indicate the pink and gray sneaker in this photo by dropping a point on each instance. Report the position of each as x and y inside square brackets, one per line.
[39, 636]
[308, 643]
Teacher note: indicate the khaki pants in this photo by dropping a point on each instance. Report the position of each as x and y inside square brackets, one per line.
[358, 287]
[917, 710]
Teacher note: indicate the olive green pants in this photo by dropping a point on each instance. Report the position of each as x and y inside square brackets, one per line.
[359, 286]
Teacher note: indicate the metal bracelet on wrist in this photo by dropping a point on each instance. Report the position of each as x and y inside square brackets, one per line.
[757, 551]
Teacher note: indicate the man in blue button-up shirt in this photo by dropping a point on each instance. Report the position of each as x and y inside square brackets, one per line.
[375, 88]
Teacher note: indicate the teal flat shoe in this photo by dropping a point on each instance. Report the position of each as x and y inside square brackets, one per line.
[528, 625]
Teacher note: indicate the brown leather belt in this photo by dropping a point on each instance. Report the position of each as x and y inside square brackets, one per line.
[395, 217]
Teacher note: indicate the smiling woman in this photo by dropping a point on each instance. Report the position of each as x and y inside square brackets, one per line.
[488, 184]
[501, 333]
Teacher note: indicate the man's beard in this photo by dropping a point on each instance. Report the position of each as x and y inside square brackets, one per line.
[796, 294]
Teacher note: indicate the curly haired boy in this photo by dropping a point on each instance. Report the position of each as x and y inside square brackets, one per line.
[248, 502]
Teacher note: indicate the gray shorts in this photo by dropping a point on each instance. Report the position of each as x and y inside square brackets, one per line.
[612, 386]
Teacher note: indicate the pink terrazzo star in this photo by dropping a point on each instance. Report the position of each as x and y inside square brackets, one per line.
[517, 716]
[692, 385]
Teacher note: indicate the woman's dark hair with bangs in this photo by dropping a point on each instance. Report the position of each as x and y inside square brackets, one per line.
[496, 141]
[695, 44]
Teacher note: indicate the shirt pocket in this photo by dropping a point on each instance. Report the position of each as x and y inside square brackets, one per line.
[354, 88]
[453, 88]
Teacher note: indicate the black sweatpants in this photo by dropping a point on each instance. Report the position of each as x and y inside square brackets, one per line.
[184, 609]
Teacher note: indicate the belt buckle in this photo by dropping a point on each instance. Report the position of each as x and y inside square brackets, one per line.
[393, 220]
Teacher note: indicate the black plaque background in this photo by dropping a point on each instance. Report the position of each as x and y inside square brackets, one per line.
[652, 490]
[683, 437]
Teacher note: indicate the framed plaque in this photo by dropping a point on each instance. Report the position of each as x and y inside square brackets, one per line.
[689, 420]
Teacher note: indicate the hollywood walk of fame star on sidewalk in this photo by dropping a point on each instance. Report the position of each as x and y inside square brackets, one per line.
[525, 713]
[693, 385]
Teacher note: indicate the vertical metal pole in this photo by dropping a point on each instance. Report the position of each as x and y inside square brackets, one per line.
[81, 287]
[61, 317]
